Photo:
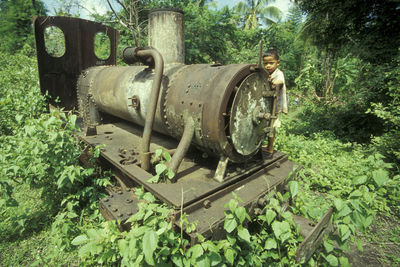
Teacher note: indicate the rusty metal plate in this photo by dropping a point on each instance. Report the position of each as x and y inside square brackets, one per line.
[58, 75]
[247, 122]
[209, 212]
[195, 175]
[119, 205]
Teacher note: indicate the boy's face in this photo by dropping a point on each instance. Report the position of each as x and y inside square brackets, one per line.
[270, 63]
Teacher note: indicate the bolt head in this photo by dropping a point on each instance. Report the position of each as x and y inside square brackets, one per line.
[207, 204]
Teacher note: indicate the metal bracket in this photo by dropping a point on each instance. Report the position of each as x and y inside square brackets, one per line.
[221, 169]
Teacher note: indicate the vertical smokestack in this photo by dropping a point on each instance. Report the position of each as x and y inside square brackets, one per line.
[166, 34]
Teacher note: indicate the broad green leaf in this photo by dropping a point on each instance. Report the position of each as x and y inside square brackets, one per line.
[158, 153]
[240, 213]
[244, 234]
[230, 223]
[85, 250]
[160, 168]
[380, 177]
[123, 246]
[215, 258]
[344, 211]
[338, 204]
[332, 260]
[328, 246]
[270, 216]
[294, 188]
[167, 156]
[150, 240]
[232, 204]
[170, 174]
[356, 194]
[197, 251]
[359, 180]
[177, 260]
[72, 119]
[231, 239]
[368, 221]
[344, 232]
[230, 255]
[147, 215]
[92, 234]
[72, 215]
[79, 240]
[344, 262]
[280, 228]
[276, 227]
[270, 244]
[203, 261]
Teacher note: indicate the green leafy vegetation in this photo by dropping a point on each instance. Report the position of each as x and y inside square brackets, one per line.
[161, 159]
[344, 130]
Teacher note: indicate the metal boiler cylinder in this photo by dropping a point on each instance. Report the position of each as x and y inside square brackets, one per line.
[227, 104]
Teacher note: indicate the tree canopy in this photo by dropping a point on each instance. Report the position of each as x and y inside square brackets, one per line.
[370, 28]
[254, 13]
[16, 23]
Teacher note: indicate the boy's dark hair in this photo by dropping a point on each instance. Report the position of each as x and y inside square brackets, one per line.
[271, 53]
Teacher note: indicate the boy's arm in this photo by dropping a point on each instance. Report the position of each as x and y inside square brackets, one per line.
[276, 82]
[277, 79]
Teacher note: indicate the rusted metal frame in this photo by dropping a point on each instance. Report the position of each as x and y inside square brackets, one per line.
[215, 228]
[230, 187]
[155, 91]
[313, 237]
[139, 176]
[58, 75]
[183, 146]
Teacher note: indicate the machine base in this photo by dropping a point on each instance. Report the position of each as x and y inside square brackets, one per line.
[203, 198]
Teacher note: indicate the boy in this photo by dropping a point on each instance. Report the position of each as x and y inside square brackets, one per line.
[277, 80]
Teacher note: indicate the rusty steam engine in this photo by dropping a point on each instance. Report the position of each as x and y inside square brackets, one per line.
[212, 119]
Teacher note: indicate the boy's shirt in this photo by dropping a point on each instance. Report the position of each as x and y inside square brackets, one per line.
[281, 101]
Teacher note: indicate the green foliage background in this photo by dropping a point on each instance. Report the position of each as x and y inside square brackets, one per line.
[344, 129]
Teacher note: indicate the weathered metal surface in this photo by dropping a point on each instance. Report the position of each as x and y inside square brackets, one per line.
[112, 90]
[248, 118]
[210, 218]
[166, 34]
[313, 235]
[221, 169]
[119, 205]
[151, 104]
[58, 75]
[86, 104]
[203, 93]
[183, 146]
[194, 176]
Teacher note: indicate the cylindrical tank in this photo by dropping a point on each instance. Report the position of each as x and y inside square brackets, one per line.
[225, 103]
[166, 34]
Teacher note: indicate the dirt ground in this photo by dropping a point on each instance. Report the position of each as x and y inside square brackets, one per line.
[381, 245]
